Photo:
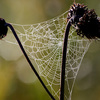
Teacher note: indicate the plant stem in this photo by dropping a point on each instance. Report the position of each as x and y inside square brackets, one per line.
[64, 60]
[27, 58]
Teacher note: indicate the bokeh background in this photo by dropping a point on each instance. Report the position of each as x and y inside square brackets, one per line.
[17, 81]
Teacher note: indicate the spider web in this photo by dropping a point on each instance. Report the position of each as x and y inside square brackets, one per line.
[44, 42]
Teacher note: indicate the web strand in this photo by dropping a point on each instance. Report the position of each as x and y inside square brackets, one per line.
[28, 60]
[43, 42]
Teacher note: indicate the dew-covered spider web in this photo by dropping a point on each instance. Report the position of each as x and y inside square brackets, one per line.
[43, 43]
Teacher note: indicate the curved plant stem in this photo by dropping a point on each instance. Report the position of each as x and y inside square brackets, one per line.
[25, 54]
[64, 60]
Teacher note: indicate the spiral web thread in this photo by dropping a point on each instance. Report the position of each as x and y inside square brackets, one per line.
[43, 43]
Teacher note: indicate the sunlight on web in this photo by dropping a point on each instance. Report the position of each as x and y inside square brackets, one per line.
[44, 42]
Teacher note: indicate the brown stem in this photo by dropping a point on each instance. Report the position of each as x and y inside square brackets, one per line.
[27, 58]
[64, 60]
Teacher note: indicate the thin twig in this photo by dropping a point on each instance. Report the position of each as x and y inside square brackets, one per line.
[64, 60]
[26, 56]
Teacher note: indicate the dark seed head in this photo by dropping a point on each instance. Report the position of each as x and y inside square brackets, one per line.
[76, 11]
[84, 21]
[3, 28]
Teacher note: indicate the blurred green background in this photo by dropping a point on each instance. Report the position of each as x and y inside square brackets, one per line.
[17, 81]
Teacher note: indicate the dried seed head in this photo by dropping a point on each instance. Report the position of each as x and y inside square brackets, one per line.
[84, 21]
[76, 11]
[3, 28]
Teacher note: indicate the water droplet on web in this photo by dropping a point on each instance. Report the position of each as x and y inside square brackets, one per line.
[60, 43]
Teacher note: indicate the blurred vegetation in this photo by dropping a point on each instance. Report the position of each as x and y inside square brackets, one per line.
[21, 84]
